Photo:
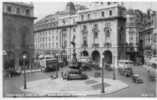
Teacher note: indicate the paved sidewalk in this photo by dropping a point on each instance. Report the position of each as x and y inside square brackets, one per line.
[59, 87]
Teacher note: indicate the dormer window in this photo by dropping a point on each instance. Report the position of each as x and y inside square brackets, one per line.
[9, 8]
[27, 12]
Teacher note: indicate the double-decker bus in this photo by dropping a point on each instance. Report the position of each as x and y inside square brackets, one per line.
[49, 63]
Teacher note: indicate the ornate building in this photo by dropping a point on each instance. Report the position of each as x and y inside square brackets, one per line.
[99, 32]
[134, 24]
[17, 31]
[148, 35]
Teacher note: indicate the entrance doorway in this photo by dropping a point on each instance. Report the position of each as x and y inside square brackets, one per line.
[84, 53]
[96, 57]
[107, 57]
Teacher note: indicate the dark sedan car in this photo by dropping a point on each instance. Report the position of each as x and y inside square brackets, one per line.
[74, 75]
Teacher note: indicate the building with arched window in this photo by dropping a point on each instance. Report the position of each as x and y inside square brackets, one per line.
[99, 32]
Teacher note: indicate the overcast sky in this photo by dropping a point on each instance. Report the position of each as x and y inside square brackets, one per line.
[42, 9]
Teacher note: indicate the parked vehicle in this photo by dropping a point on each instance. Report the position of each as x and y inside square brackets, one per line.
[152, 69]
[73, 73]
[74, 76]
[125, 68]
[49, 63]
[136, 78]
[108, 67]
[85, 63]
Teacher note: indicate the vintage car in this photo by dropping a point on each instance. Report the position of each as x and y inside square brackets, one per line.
[109, 67]
[73, 73]
[125, 68]
[136, 78]
[72, 76]
[85, 63]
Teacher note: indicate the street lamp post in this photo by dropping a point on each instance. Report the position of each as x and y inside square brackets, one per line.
[24, 65]
[114, 69]
[103, 89]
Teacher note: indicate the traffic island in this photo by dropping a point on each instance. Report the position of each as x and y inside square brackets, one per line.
[59, 87]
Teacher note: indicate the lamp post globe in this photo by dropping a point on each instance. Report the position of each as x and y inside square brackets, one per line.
[24, 56]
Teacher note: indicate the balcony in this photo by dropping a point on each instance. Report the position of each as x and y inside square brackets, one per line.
[95, 45]
[84, 45]
[107, 45]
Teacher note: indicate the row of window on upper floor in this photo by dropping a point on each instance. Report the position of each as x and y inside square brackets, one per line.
[45, 33]
[18, 10]
[45, 26]
[49, 33]
[69, 21]
[73, 20]
[46, 45]
[45, 39]
[102, 14]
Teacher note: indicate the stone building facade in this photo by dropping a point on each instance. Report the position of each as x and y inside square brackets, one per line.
[17, 31]
[148, 35]
[99, 33]
[134, 24]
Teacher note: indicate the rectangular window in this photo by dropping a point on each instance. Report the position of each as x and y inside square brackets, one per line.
[88, 16]
[49, 45]
[17, 10]
[57, 45]
[82, 17]
[110, 12]
[63, 21]
[9, 8]
[102, 14]
[74, 30]
[131, 36]
[27, 12]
